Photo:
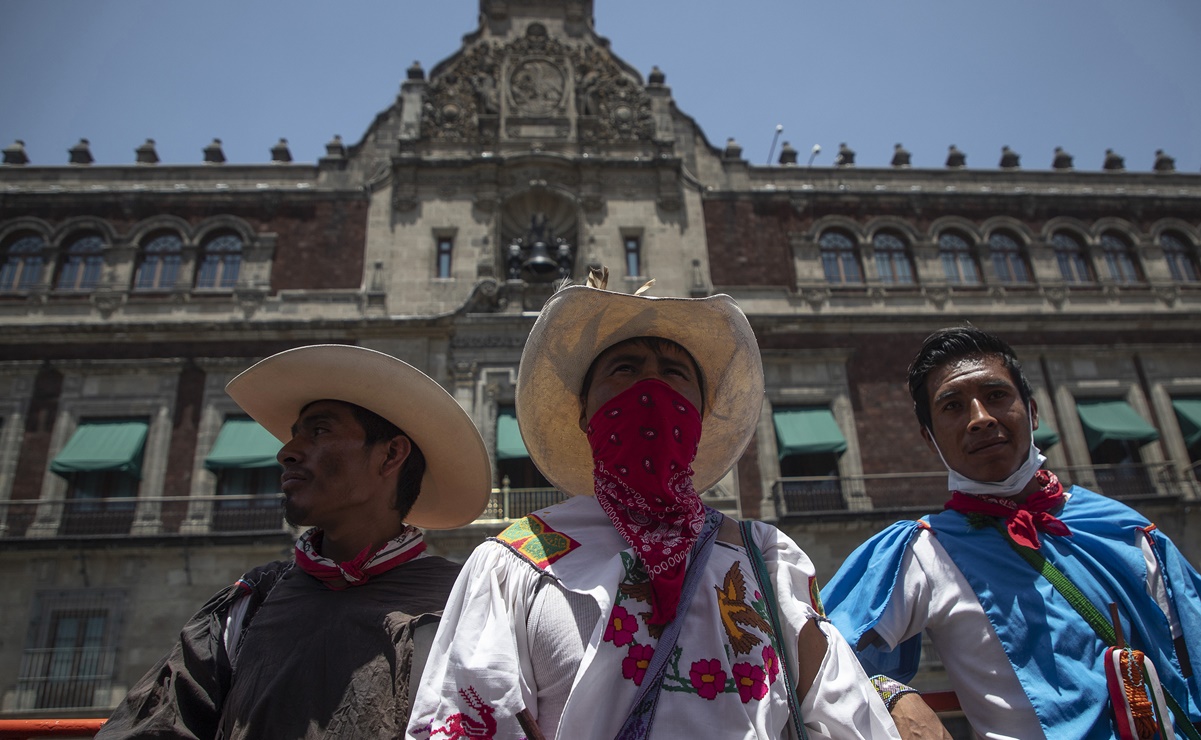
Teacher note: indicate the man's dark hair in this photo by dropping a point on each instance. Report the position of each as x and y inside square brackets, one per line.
[955, 343]
[655, 344]
[378, 429]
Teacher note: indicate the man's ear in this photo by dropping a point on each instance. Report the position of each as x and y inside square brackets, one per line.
[929, 437]
[396, 453]
[1033, 413]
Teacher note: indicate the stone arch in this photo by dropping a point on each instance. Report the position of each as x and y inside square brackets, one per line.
[853, 227]
[956, 223]
[72, 226]
[148, 226]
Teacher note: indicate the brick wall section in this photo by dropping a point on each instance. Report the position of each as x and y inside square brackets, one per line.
[748, 242]
[320, 240]
[321, 248]
[189, 397]
[750, 483]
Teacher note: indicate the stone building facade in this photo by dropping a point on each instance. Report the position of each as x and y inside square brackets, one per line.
[129, 296]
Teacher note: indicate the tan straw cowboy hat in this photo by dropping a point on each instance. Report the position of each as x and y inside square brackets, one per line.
[458, 475]
[578, 323]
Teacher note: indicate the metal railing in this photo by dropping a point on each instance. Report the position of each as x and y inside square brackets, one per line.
[218, 515]
[507, 503]
[65, 678]
[816, 495]
[198, 515]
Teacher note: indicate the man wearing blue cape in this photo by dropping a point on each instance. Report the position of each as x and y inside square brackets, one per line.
[1057, 612]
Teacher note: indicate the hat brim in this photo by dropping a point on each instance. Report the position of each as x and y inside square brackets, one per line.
[578, 323]
[458, 475]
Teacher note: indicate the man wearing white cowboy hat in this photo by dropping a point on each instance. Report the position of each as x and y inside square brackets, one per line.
[632, 603]
[323, 645]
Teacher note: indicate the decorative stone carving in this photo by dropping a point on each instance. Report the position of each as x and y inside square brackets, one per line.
[816, 297]
[938, 295]
[1057, 295]
[1167, 293]
[900, 156]
[540, 73]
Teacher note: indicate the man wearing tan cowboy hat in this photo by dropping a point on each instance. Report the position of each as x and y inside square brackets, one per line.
[323, 645]
[632, 602]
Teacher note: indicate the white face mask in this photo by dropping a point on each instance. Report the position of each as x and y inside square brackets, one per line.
[1011, 486]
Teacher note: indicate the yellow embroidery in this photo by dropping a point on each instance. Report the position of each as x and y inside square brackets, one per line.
[536, 541]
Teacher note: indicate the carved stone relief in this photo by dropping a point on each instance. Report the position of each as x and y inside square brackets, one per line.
[535, 83]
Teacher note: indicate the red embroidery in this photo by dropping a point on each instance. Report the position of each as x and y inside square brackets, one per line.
[461, 725]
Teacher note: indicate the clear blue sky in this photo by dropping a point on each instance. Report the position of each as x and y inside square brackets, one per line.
[1083, 74]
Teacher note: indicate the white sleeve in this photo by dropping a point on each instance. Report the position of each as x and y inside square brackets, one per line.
[908, 610]
[841, 702]
[477, 676]
[842, 699]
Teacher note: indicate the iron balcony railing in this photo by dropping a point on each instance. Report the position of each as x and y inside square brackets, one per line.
[263, 515]
[928, 491]
[198, 515]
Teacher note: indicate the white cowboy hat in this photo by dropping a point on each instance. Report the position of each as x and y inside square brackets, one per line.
[578, 323]
[458, 475]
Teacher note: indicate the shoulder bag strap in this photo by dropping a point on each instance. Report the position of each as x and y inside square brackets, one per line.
[769, 595]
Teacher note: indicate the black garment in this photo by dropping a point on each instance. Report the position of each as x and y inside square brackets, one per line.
[311, 662]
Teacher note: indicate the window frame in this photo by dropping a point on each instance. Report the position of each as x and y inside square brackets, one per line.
[226, 264]
[15, 275]
[81, 264]
[839, 250]
[1008, 259]
[890, 256]
[958, 260]
[167, 263]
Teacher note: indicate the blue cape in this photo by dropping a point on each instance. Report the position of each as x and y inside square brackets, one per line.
[1056, 655]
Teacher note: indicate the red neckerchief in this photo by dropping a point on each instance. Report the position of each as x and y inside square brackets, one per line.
[643, 441]
[1024, 520]
[355, 572]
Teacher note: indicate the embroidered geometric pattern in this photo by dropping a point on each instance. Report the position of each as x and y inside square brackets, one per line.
[815, 596]
[537, 542]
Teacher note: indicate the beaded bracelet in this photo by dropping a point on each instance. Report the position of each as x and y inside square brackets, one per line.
[890, 690]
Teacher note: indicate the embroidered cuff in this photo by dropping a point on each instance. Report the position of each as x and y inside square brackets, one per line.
[891, 690]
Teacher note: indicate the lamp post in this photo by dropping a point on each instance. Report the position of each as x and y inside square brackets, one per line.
[774, 139]
[817, 148]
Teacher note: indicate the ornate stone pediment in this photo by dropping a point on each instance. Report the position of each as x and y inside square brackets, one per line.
[536, 87]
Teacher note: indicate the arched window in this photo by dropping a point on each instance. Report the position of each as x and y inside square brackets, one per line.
[957, 261]
[1119, 257]
[220, 260]
[839, 259]
[892, 259]
[1073, 264]
[159, 264]
[23, 262]
[1180, 259]
[82, 264]
[1007, 260]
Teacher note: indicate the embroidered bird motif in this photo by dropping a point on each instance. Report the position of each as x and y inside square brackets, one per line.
[736, 613]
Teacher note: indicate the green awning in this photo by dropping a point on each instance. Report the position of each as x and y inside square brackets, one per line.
[103, 446]
[243, 444]
[509, 445]
[1188, 413]
[1045, 437]
[1106, 420]
[807, 431]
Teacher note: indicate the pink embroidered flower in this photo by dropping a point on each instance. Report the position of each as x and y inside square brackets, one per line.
[635, 663]
[622, 626]
[771, 663]
[749, 680]
[708, 678]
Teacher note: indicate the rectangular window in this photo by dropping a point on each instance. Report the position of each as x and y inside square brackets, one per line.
[633, 251]
[446, 245]
[70, 653]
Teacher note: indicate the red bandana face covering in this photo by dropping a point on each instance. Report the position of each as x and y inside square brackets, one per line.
[643, 443]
